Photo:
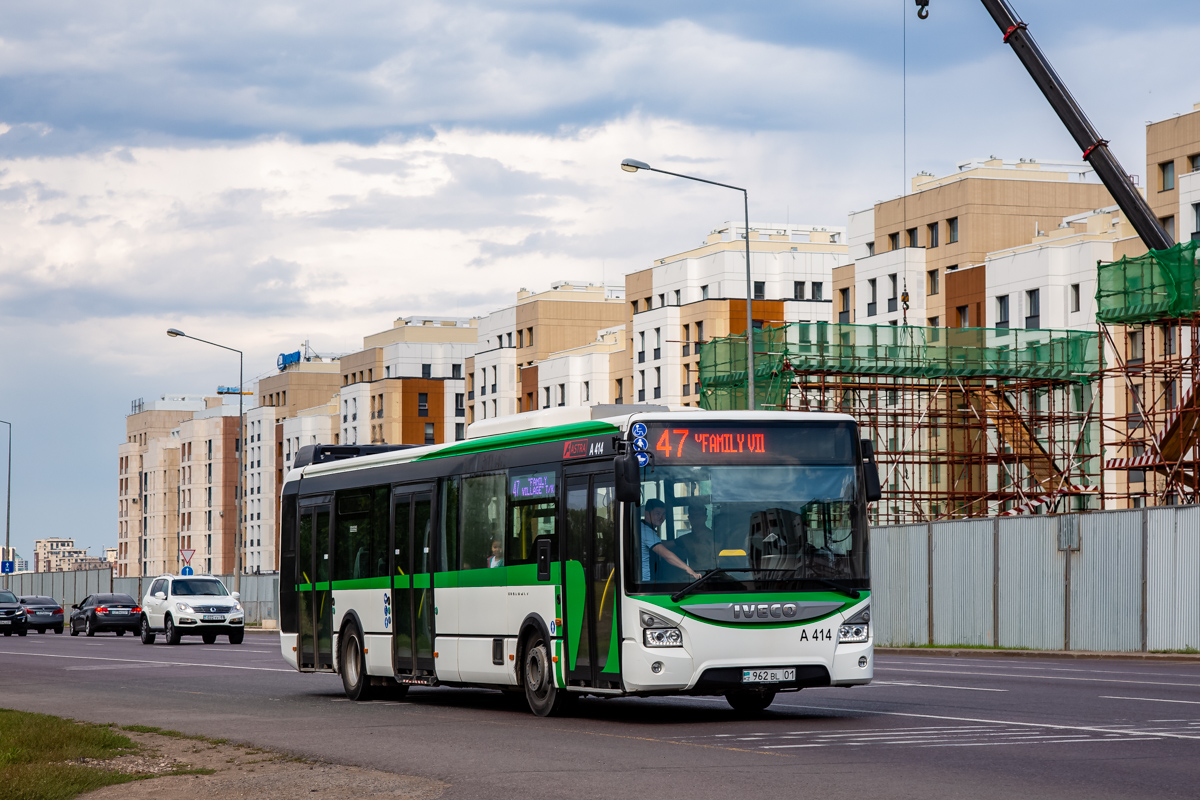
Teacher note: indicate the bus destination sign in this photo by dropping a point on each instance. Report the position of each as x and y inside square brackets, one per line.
[740, 443]
[532, 487]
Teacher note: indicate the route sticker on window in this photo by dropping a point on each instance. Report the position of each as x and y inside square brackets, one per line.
[387, 610]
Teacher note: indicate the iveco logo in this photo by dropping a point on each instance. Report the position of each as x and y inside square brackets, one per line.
[764, 610]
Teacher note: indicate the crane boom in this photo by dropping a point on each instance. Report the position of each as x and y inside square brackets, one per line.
[1095, 149]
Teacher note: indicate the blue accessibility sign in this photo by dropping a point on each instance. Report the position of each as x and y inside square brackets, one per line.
[185, 571]
[640, 444]
[638, 430]
[8, 567]
[643, 459]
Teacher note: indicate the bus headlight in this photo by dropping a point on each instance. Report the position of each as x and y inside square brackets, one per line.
[854, 633]
[663, 637]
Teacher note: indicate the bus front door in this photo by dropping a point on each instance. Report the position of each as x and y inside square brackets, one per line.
[590, 582]
[412, 597]
[315, 594]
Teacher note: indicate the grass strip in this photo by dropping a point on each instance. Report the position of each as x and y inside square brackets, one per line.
[36, 751]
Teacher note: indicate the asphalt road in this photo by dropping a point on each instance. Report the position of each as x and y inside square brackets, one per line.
[929, 727]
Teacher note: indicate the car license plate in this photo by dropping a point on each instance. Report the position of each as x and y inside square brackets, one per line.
[41, 613]
[118, 611]
[213, 618]
[5, 621]
[768, 675]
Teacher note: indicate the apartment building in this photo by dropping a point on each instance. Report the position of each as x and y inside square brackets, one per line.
[950, 223]
[146, 422]
[56, 555]
[1173, 153]
[261, 507]
[684, 299]
[579, 376]
[208, 490]
[503, 377]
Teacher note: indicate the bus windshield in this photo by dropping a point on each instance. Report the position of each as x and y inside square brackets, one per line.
[766, 527]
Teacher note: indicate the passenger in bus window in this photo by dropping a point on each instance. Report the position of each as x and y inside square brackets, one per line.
[496, 559]
[697, 546]
[656, 512]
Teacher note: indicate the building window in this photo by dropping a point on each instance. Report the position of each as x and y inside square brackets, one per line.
[934, 322]
[952, 230]
[657, 382]
[633, 304]
[912, 237]
[893, 241]
[460, 407]
[931, 282]
[529, 337]
[1033, 309]
[964, 316]
[422, 405]
[387, 372]
[1137, 348]
[1168, 224]
[1002, 311]
[620, 391]
[456, 371]
[1194, 162]
[678, 297]
[844, 311]
[562, 394]
[760, 290]
[546, 403]
[699, 333]
[894, 295]
[662, 300]
[1169, 394]
[429, 433]
[460, 431]
[587, 391]
[509, 335]
[816, 290]
[872, 292]
[932, 235]
[798, 288]
[704, 292]
[1074, 296]
[1166, 174]
[870, 248]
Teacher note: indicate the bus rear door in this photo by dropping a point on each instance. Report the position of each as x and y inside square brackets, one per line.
[315, 593]
[590, 582]
[412, 597]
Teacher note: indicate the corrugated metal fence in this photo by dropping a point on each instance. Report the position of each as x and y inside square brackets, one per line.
[1118, 580]
[259, 593]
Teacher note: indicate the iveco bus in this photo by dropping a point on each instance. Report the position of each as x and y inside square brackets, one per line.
[610, 551]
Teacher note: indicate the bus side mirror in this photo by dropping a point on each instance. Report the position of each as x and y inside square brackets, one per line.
[628, 481]
[870, 472]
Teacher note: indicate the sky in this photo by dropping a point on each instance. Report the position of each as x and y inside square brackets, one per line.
[259, 174]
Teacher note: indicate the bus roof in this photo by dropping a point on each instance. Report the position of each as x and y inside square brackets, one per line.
[549, 425]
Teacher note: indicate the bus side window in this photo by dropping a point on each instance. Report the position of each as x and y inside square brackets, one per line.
[483, 516]
[448, 536]
[360, 538]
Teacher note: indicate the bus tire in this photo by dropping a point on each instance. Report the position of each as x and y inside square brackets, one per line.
[537, 676]
[750, 701]
[352, 664]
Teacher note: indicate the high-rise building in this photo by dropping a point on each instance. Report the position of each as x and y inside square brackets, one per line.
[56, 555]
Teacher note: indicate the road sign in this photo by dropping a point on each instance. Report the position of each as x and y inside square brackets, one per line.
[185, 571]
[186, 555]
[8, 567]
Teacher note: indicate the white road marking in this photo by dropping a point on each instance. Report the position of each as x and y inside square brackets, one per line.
[1152, 700]
[1008, 663]
[1043, 677]
[936, 686]
[147, 661]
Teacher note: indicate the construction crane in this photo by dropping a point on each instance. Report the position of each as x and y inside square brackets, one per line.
[1095, 149]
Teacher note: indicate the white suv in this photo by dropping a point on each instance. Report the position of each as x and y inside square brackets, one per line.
[191, 605]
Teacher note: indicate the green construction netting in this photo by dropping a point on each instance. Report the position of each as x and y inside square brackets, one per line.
[1158, 285]
[889, 351]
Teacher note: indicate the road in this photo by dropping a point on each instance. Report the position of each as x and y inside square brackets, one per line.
[930, 727]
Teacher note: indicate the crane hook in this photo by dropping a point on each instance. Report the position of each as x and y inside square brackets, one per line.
[923, 9]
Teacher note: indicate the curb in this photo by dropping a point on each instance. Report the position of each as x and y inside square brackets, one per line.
[1083, 655]
[259, 629]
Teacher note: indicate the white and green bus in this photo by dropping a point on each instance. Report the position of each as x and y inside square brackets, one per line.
[610, 551]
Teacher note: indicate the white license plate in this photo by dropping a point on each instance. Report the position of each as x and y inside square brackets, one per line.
[117, 611]
[41, 613]
[5, 621]
[768, 675]
[213, 618]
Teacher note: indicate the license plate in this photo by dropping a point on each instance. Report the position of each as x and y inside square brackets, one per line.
[213, 618]
[41, 613]
[5, 621]
[768, 675]
[117, 611]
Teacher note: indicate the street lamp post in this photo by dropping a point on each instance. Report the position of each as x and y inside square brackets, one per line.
[8, 506]
[633, 165]
[241, 448]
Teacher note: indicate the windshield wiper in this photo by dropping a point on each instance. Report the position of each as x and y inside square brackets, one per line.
[846, 590]
[691, 587]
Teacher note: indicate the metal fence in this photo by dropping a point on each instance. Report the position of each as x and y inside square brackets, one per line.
[1117, 581]
[259, 593]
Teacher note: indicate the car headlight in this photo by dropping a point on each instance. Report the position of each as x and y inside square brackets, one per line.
[184, 607]
[857, 628]
[237, 607]
[663, 637]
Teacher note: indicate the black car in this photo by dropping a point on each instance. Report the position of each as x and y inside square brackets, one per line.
[105, 612]
[42, 613]
[12, 615]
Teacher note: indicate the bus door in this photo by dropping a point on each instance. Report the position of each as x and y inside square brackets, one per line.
[315, 591]
[412, 563]
[590, 583]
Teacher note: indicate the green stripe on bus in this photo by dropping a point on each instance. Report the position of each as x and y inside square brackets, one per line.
[518, 575]
[364, 583]
[524, 438]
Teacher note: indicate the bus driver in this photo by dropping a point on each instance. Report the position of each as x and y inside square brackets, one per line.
[656, 513]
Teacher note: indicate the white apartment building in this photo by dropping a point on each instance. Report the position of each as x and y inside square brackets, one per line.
[259, 540]
[310, 426]
[580, 376]
[495, 374]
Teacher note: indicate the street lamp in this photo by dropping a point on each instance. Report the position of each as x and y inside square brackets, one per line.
[241, 448]
[8, 505]
[633, 165]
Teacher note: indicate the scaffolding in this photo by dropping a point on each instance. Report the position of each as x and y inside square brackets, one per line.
[965, 422]
[1149, 313]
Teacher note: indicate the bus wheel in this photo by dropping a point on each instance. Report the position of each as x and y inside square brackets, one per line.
[354, 665]
[750, 701]
[544, 697]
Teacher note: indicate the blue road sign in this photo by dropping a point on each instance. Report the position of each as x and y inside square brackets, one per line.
[8, 567]
[638, 430]
[185, 571]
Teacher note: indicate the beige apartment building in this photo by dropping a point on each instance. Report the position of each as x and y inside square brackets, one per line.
[207, 470]
[56, 555]
[1172, 151]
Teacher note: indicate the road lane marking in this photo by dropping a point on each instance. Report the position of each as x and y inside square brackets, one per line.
[1152, 700]
[936, 686]
[1008, 664]
[147, 661]
[1043, 677]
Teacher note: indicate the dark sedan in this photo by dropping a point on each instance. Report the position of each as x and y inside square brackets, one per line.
[42, 613]
[12, 615]
[105, 612]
